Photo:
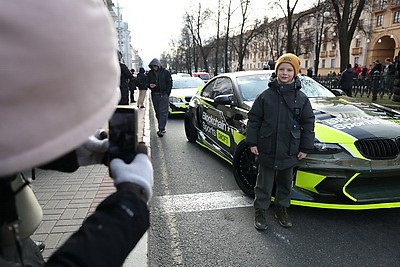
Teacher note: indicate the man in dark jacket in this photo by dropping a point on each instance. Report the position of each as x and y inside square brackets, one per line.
[346, 80]
[126, 76]
[280, 132]
[160, 83]
[375, 75]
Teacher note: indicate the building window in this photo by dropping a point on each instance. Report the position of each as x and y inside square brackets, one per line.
[306, 63]
[396, 18]
[356, 60]
[324, 47]
[323, 63]
[381, 4]
[379, 20]
[358, 42]
[333, 62]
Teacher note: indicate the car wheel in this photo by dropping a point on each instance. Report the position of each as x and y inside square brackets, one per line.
[190, 130]
[245, 169]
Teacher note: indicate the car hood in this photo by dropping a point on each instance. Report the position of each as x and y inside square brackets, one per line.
[360, 120]
[185, 92]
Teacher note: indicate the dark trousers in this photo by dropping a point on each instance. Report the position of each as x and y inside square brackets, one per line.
[161, 103]
[265, 183]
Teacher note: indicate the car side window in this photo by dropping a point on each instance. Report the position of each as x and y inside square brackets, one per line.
[208, 89]
[223, 86]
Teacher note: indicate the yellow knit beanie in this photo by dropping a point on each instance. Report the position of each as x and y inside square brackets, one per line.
[291, 59]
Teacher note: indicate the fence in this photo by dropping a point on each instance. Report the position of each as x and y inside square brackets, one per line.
[362, 86]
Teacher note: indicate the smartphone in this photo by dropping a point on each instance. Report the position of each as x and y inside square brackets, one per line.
[123, 133]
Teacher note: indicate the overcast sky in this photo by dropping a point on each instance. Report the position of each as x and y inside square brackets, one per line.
[154, 23]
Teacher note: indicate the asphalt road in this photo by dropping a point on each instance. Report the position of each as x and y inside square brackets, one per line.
[199, 217]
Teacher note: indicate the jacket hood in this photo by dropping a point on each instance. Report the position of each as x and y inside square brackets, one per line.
[51, 109]
[141, 70]
[155, 62]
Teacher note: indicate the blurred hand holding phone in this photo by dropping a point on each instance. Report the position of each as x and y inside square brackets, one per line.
[123, 133]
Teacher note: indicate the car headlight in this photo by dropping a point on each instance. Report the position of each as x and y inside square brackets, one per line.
[326, 148]
[174, 99]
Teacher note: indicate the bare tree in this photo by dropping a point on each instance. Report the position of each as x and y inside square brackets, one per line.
[291, 20]
[217, 38]
[246, 35]
[347, 13]
[195, 23]
[229, 14]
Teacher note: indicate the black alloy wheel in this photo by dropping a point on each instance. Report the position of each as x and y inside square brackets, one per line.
[245, 169]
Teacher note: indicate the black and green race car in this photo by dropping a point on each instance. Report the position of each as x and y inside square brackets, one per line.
[355, 163]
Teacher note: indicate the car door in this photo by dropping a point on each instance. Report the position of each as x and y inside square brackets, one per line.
[212, 114]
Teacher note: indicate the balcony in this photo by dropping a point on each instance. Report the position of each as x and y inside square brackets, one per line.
[323, 54]
[332, 53]
[356, 51]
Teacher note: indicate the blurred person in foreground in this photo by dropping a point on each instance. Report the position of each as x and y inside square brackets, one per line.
[160, 84]
[280, 132]
[50, 119]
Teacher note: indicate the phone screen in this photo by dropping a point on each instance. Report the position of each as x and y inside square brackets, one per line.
[123, 134]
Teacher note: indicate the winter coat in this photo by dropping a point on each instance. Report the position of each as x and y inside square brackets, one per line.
[126, 75]
[281, 124]
[162, 78]
[142, 80]
[346, 79]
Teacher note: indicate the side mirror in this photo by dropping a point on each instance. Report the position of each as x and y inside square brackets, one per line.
[224, 99]
[338, 92]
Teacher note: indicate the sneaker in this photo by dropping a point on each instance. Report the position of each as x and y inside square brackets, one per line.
[260, 223]
[283, 217]
[160, 133]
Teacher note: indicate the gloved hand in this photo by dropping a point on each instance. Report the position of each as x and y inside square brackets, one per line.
[92, 151]
[139, 171]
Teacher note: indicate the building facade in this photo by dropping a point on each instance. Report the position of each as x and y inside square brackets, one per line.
[377, 37]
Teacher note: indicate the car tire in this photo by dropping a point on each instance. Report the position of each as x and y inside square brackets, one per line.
[245, 169]
[190, 129]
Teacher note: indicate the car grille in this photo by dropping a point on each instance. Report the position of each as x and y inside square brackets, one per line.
[378, 148]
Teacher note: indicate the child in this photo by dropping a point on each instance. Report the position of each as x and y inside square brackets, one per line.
[280, 132]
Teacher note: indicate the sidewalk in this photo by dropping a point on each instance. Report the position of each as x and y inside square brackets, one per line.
[68, 198]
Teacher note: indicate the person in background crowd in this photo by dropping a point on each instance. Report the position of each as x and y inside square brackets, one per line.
[310, 72]
[280, 132]
[346, 80]
[132, 87]
[142, 82]
[160, 84]
[357, 69]
[125, 77]
[54, 129]
[388, 75]
[364, 72]
[375, 75]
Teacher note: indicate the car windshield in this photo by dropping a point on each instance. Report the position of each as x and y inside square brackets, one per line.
[204, 77]
[314, 89]
[252, 85]
[187, 83]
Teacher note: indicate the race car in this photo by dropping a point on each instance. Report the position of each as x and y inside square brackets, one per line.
[355, 163]
[183, 88]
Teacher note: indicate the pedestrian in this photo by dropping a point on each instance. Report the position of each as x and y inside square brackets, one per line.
[375, 75]
[125, 77]
[142, 82]
[346, 80]
[160, 84]
[280, 132]
[357, 69]
[132, 86]
[48, 114]
[388, 76]
[310, 72]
